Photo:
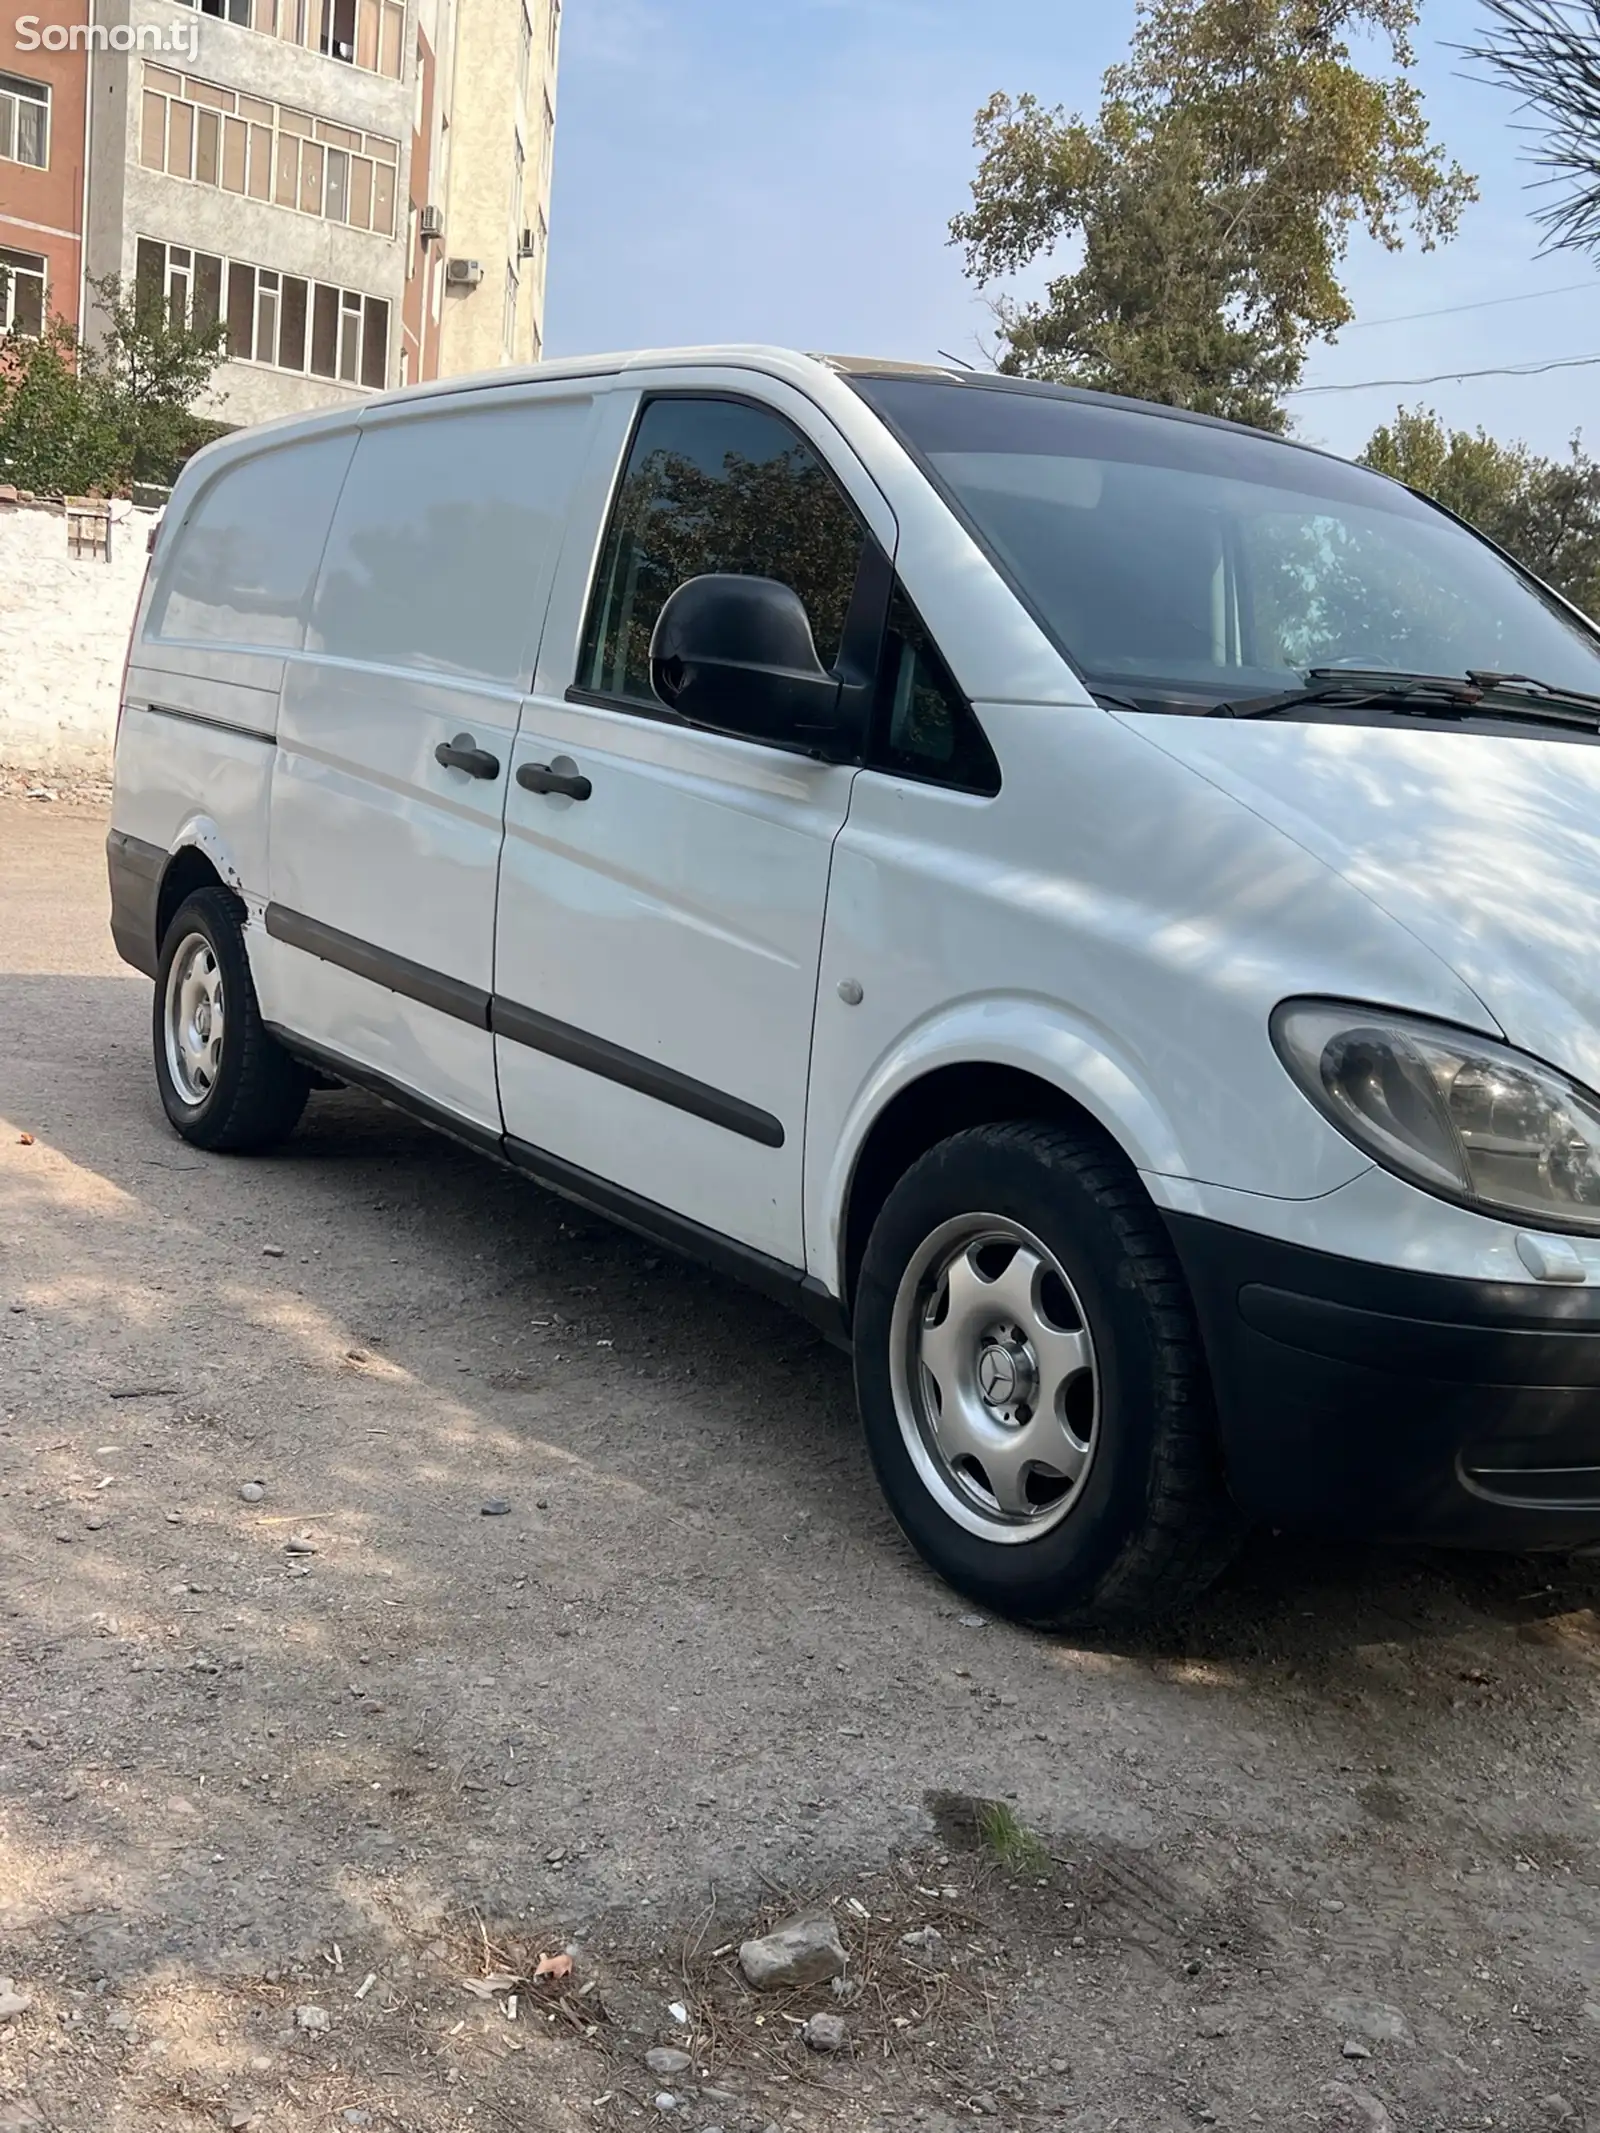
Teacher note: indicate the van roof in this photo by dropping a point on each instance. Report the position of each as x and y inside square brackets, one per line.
[771, 361]
[774, 360]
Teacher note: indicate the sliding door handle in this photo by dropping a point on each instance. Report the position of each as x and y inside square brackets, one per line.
[544, 777]
[463, 753]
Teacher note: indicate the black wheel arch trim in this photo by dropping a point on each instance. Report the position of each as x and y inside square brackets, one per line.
[134, 869]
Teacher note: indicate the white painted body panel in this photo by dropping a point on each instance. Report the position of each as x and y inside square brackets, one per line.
[1119, 920]
[427, 616]
[1111, 922]
[371, 836]
[676, 913]
[1485, 847]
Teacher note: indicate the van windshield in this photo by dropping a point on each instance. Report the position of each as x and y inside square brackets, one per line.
[1181, 565]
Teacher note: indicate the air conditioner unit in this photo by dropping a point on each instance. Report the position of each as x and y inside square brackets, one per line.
[463, 273]
[527, 246]
[430, 224]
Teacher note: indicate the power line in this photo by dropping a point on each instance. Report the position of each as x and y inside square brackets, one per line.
[1445, 377]
[1485, 303]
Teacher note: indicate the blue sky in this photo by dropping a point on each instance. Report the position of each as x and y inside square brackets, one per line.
[784, 170]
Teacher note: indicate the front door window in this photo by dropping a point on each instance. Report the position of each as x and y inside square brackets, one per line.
[715, 485]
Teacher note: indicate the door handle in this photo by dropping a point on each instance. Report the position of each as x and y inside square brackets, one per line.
[463, 753]
[543, 777]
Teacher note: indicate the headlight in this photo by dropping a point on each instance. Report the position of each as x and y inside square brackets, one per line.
[1455, 1113]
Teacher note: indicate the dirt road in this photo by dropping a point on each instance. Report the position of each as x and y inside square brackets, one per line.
[1325, 1857]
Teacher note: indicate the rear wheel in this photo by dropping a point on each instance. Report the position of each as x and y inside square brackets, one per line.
[1031, 1381]
[225, 1081]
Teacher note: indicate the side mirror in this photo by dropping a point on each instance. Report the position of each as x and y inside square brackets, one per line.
[736, 655]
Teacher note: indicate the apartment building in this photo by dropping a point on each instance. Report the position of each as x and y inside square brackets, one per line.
[43, 159]
[353, 187]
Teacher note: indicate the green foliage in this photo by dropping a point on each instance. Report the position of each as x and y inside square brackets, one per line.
[1546, 512]
[1211, 202]
[54, 437]
[148, 370]
[1010, 1842]
[76, 417]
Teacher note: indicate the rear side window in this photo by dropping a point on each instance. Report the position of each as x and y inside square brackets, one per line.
[245, 557]
[715, 485]
[445, 538]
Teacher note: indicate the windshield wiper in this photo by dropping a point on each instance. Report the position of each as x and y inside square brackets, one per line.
[1511, 696]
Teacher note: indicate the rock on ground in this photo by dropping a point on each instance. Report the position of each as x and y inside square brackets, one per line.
[802, 1951]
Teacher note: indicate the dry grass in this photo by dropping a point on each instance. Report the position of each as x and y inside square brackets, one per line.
[917, 2010]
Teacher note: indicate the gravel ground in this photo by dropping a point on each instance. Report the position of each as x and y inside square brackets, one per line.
[283, 1711]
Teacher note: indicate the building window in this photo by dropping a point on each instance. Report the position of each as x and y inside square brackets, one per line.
[22, 279]
[361, 33]
[554, 31]
[24, 121]
[280, 320]
[213, 136]
[547, 150]
[518, 167]
[524, 51]
[509, 325]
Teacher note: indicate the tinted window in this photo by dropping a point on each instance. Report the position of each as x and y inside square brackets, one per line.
[244, 559]
[1164, 554]
[926, 728]
[712, 485]
[442, 544]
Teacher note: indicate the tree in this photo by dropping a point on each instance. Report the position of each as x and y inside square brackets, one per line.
[1546, 512]
[54, 437]
[1211, 202]
[148, 370]
[76, 416]
[1548, 53]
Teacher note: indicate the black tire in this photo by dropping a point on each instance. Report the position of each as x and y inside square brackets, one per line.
[258, 1090]
[1152, 1523]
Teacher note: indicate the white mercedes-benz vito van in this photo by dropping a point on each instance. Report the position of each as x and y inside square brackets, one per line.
[1098, 905]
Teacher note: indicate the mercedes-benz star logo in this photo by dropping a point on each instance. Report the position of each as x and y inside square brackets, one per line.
[997, 1376]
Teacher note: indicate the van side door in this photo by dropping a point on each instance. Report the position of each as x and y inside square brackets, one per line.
[663, 887]
[396, 729]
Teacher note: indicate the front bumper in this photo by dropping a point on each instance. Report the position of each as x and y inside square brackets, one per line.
[1374, 1401]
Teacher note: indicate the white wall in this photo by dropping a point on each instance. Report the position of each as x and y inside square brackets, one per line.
[64, 629]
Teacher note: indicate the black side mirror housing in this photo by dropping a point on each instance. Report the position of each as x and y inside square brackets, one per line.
[736, 655]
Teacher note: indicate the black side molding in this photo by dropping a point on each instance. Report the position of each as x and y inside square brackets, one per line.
[134, 869]
[215, 725]
[413, 981]
[541, 1033]
[524, 1025]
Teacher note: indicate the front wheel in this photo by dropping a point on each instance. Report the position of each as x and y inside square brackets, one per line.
[1032, 1385]
[225, 1081]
